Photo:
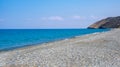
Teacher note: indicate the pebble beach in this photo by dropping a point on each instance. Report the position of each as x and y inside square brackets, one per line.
[92, 50]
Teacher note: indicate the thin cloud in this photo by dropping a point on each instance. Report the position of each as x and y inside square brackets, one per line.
[77, 17]
[53, 18]
[69, 18]
[94, 17]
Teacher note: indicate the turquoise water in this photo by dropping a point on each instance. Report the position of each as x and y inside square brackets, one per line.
[14, 38]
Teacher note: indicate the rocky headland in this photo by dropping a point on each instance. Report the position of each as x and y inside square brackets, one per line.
[110, 22]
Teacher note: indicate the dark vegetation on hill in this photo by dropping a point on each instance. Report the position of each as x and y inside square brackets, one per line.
[110, 22]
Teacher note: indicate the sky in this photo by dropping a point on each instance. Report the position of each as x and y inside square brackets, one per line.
[47, 14]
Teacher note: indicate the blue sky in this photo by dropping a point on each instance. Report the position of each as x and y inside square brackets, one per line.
[32, 14]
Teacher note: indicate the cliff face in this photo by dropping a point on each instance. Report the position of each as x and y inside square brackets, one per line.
[110, 22]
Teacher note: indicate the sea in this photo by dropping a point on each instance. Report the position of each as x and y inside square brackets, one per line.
[16, 38]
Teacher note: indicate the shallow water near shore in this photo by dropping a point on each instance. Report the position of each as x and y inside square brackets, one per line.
[15, 38]
[95, 50]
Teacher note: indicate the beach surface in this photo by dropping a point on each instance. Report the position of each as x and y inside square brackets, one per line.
[93, 50]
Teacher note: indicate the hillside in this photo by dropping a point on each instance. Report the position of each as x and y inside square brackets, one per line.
[110, 22]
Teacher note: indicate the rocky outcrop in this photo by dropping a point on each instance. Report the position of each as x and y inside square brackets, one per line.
[110, 22]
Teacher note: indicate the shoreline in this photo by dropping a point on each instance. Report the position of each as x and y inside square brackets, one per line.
[38, 44]
[100, 49]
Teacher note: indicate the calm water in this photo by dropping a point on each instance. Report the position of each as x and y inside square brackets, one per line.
[14, 38]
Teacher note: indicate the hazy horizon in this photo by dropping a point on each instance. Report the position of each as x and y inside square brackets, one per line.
[55, 14]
